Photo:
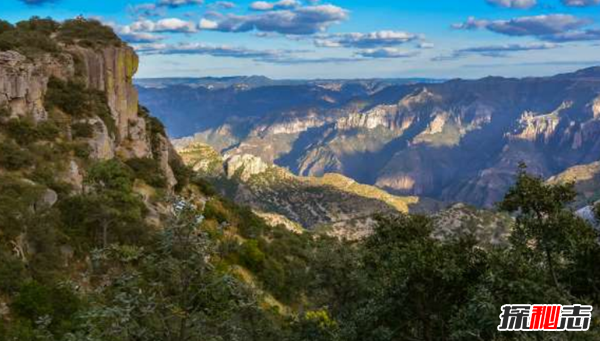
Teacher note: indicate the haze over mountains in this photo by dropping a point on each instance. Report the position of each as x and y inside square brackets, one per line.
[459, 140]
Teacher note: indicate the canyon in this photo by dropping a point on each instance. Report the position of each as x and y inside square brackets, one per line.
[452, 141]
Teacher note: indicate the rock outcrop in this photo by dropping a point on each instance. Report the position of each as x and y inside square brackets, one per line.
[457, 141]
[110, 70]
[244, 166]
[332, 200]
[23, 82]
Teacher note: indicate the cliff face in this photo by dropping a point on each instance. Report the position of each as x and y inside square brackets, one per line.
[23, 82]
[332, 200]
[460, 140]
[109, 70]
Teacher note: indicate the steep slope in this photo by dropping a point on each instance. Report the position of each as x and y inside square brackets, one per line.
[456, 141]
[586, 179]
[83, 88]
[330, 200]
[95, 206]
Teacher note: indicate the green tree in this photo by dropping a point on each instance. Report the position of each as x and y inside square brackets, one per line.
[109, 211]
[171, 291]
[545, 228]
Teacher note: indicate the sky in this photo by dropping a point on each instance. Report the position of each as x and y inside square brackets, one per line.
[308, 39]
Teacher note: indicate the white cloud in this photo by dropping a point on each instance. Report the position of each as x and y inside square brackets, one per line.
[366, 40]
[386, 52]
[269, 6]
[206, 24]
[179, 3]
[580, 3]
[519, 4]
[426, 45]
[497, 50]
[170, 25]
[299, 21]
[538, 26]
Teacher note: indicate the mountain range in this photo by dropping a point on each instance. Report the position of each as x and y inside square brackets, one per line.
[454, 141]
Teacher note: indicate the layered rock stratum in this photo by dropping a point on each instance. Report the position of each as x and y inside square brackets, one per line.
[109, 70]
[455, 141]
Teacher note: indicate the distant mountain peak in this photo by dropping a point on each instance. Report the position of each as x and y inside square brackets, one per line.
[591, 72]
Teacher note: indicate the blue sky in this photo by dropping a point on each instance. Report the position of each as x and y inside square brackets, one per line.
[344, 38]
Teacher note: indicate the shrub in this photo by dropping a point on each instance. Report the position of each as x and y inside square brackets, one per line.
[48, 130]
[251, 256]
[5, 26]
[35, 300]
[204, 186]
[149, 171]
[4, 112]
[47, 176]
[82, 130]
[17, 197]
[74, 99]
[82, 150]
[12, 272]
[23, 131]
[13, 157]
[70, 97]
[87, 33]
[30, 37]
[111, 174]
[182, 174]
[155, 129]
[45, 26]
[213, 209]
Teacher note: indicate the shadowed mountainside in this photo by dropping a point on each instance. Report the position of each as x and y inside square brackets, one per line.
[455, 141]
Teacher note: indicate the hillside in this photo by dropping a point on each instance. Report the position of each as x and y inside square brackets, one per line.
[458, 141]
[101, 223]
[309, 201]
[586, 178]
[332, 204]
[105, 235]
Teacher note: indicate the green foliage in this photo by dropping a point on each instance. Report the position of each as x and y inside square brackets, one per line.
[12, 272]
[48, 130]
[174, 293]
[213, 209]
[88, 33]
[5, 26]
[182, 174]
[205, 186]
[31, 37]
[251, 256]
[70, 97]
[4, 111]
[82, 130]
[317, 326]
[155, 128]
[82, 150]
[45, 26]
[545, 228]
[16, 199]
[111, 175]
[22, 130]
[110, 213]
[149, 171]
[74, 99]
[13, 157]
[35, 301]
[25, 131]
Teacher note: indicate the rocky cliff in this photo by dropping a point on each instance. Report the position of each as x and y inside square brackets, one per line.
[333, 202]
[457, 141]
[109, 70]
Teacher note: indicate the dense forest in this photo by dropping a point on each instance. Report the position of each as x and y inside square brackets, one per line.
[90, 265]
